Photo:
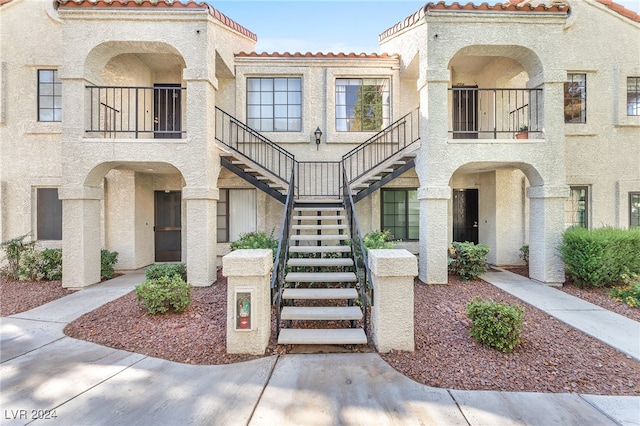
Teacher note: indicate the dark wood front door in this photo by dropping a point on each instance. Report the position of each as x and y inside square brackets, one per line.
[167, 110]
[168, 226]
[465, 215]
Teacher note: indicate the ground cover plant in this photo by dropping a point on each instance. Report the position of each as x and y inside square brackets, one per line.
[468, 260]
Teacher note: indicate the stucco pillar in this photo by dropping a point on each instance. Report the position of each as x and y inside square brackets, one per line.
[546, 225]
[248, 275]
[80, 236]
[392, 272]
[434, 234]
[200, 235]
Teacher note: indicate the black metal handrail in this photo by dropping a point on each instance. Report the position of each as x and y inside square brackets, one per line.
[492, 113]
[320, 179]
[282, 253]
[135, 111]
[380, 147]
[255, 147]
[360, 261]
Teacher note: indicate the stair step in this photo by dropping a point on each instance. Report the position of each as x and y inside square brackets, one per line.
[320, 293]
[321, 313]
[319, 209]
[318, 336]
[324, 261]
[319, 237]
[319, 217]
[312, 227]
[323, 277]
[319, 249]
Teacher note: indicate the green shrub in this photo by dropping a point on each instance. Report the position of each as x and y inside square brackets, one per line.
[158, 295]
[468, 260]
[496, 325]
[629, 292]
[166, 270]
[13, 250]
[600, 256]
[107, 260]
[37, 265]
[256, 240]
[378, 240]
[524, 254]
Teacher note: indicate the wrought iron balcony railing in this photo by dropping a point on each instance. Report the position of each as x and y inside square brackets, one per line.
[135, 112]
[495, 113]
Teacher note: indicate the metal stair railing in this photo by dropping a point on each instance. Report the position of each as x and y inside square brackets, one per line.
[380, 147]
[359, 253]
[253, 146]
[319, 179]
[282, 253]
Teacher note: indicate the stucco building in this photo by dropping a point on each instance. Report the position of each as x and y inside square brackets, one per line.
[153, 129]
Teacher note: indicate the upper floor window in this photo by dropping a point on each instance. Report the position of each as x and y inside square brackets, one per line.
[49, 96]
[634, 209]
[49, 214]
[362, 104]
[575, 99]
[576, 207]
[633, 95]
[274, 104]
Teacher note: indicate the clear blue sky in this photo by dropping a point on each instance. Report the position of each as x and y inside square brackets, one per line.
[329, 25]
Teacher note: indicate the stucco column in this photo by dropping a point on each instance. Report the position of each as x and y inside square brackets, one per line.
[248, 275]
[392, 272]
[434, 234]
[80, 236]
[546, 225]
[200, 235]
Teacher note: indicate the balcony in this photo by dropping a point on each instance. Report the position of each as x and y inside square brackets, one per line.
[135, 112]
[495, 113]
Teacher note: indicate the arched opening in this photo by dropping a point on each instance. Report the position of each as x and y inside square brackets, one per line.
[136, 90]
[489, 205]
[492, 95]
[141, 215]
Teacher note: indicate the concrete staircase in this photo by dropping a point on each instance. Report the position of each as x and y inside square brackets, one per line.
[321, 276]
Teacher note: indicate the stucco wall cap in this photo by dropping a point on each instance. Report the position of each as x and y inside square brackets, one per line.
[393, 263]
[245, 263]
[161, 4]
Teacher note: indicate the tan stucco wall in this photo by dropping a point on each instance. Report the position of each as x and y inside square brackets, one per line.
[198, 52]
[30, 152]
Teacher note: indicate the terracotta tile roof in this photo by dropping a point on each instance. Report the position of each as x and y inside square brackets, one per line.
[621, 10]
[315, 55]
[507, 6]
[176, 4]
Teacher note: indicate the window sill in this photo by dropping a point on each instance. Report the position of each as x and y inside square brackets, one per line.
[44, 128]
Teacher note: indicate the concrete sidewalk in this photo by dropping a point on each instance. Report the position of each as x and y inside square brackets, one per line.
[89, 384]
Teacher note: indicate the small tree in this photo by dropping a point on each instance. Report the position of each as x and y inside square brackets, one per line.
[14, 249]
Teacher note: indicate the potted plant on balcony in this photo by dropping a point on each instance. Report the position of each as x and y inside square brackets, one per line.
[523, 133]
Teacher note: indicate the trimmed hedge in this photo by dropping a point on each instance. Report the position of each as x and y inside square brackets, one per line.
[496, 325]
[161, 294]
[600, 256]
[166, 270]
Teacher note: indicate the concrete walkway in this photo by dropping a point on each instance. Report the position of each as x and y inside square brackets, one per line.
[89, 384]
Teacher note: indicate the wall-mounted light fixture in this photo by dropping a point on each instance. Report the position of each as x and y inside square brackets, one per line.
[318, 134]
